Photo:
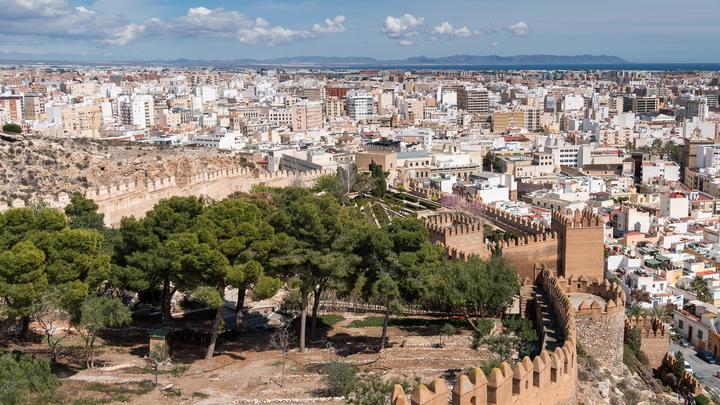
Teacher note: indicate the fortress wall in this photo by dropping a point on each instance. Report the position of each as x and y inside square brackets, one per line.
[688, 380]
[600, 326]
[508, 220]
[134, 198]
[550, 378]
[581, 251]
[654, 338]
[528, 251]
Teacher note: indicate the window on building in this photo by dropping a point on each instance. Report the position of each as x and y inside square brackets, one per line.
[700, 335]
[680, 324]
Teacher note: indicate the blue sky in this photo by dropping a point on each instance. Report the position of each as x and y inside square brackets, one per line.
[637, 30]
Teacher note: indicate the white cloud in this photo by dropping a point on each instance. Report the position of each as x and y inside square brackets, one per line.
[519, 29]
[127, 35]
[448, 30]
[58, 19]
[411, 29]
[331, 26]
[403, 27]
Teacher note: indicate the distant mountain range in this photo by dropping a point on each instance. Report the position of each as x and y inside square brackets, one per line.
[349, 61]
[455, 60]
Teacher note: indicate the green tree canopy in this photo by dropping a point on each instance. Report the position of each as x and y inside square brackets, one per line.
[308, 228]
[83, 213]
[477, 288]
[97, 314]
[12, 129]
[149, 250]
[25, 380]
[494, 163]
[22, 281]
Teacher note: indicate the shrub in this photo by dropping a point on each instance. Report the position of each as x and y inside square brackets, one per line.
[489, 365]
[24, 380]
[484, 327]
[291, 304]
[702, 400]
[340, 379]
[12, 129]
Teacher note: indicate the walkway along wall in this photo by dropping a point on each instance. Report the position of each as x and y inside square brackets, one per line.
[548, 379]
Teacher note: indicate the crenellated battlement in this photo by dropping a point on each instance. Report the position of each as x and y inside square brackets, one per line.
[549, 377]
[503, 218]
[543, 237]
[612, 294]
[688, 380]
[453, 224]
[136, 197]
[577, 219]
[648, 326]
[654, 337]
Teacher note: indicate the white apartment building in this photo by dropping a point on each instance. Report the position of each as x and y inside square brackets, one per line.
[136, 110]
[659, 170]
[674, 205]
[359, 106]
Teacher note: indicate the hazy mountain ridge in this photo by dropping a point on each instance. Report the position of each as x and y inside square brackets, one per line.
[454, 60]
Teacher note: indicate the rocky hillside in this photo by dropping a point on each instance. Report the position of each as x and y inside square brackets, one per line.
[43, 166]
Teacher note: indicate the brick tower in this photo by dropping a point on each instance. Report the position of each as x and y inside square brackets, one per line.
[581, 236]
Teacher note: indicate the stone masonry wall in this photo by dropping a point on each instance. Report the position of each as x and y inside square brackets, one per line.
[600, 326]
[133, 198]
[601, 336]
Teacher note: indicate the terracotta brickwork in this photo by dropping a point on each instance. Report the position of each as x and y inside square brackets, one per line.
[548, 379]
[573, 244]
[580, 251]
[457, 231]
[688, 381]
[654, 338]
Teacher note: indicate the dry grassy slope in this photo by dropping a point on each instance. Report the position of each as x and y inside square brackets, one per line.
[43, 166]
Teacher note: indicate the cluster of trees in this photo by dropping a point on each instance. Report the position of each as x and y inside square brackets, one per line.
[52, 267]
[494, 163]
[70, 266]
[668, 150]
[12, 129]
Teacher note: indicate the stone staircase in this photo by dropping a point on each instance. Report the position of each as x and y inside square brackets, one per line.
[552, 336]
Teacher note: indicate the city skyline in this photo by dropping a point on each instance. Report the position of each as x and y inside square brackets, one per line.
[137, 30]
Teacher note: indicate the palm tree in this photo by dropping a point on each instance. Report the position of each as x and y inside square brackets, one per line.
[635, 310]
[699, 286]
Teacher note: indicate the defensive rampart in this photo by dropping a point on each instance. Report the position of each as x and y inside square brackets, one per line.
[456, 231]
[654, 337]
[135, 198]
[666, 373]
[600, 317]
[573, 244]
[548, 379]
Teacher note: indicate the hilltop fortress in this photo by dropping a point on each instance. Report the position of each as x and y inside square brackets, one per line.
[573, 244]
[135, 198]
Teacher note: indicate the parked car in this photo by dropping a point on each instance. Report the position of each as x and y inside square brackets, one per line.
[688, 367]
[707, 357]
[683, 342]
